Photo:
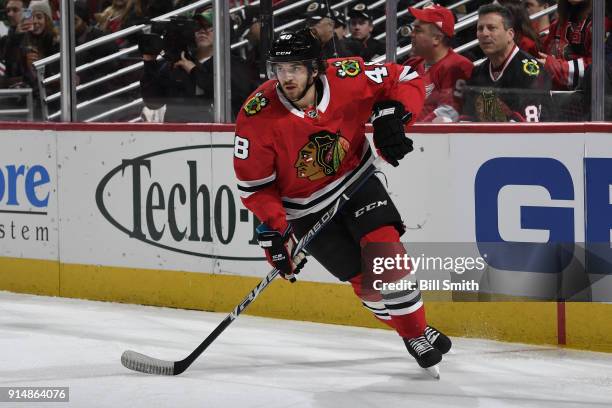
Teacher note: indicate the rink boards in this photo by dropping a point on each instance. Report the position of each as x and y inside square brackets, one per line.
[151, 214]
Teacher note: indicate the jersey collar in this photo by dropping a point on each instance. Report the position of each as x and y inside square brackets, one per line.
[322, 107]
[515, 50]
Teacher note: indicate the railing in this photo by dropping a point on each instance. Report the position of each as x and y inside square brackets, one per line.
[41, 64]
[464, 23]
[44, 81]
[11, 93]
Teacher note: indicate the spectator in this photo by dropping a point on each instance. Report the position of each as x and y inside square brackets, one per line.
[509, 86]
[319, 19]
[142, 10]
[443, 71]
[24, 48]
[542, 24]
[404, 36]
[84, 32]
[17, 26]
[113, 17]
[186, 86]
[567, 48]
[361, 42]
[525, 36]
[252, 26]
[340, 24]
[586, 84]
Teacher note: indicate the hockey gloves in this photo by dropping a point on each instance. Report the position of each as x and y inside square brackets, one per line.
[390, 139]
[279, 251]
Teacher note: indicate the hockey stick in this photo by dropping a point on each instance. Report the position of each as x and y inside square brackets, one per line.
[145, 364]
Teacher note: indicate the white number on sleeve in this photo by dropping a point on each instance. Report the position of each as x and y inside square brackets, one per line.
[377, 74]
[459, 88]
[532, 114]
[241, 147]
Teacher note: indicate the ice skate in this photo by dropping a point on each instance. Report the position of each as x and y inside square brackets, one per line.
[438, 339]
[425, 354]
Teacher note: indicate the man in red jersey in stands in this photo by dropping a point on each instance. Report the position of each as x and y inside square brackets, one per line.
[443, 71]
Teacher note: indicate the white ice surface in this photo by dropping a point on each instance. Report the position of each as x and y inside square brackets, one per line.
[272, 363]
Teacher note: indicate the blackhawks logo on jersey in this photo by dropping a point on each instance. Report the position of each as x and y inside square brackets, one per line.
[255, 104]
[490, 108]
[531, 67]
[347, 68]
[321, 156]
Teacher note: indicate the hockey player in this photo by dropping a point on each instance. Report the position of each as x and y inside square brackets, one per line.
[444, 72]
[510, 86]
[300, 141]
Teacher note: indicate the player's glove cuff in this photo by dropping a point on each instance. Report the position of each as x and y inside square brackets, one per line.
[388, 118]
[279, 250]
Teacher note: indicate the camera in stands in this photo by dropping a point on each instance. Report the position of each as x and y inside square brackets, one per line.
[172, 36]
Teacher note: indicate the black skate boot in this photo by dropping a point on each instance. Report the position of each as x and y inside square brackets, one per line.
[425, 354]
[438, 339]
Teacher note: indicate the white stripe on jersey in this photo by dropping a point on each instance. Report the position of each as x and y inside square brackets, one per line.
[322, 106]
[570, 74]
[408, 74]
[249, 187]
[245, 195]
[580, 69]
[255, 183]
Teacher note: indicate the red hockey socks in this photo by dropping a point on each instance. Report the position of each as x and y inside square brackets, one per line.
[402, 310]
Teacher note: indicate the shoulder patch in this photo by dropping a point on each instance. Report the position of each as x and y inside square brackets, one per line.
[255, 104]
[531, 67]
[348, 68]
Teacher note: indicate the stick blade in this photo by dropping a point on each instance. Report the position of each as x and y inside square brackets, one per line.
[145, 364]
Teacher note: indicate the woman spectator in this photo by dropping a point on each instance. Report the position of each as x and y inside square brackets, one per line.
[542, 24]
[40, 41]
[525, 36]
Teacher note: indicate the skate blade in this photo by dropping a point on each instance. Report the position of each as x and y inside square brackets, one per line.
[434, 371]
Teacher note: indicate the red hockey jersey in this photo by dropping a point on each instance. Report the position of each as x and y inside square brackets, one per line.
[290, 163]
[529, 46]
[444, 83]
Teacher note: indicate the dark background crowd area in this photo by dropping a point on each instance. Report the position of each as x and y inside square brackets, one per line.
[186, 79]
